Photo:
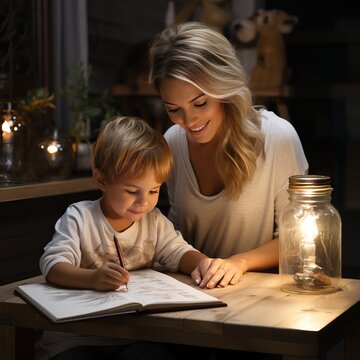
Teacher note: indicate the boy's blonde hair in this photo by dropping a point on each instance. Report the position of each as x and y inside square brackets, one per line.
[128, 148]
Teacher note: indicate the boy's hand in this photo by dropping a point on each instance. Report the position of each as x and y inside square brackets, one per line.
[109, 277]
[216, 272]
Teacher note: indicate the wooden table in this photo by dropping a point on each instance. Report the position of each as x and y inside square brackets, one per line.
[259, 317]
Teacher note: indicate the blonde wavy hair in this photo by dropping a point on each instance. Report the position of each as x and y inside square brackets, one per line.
[128, 148]
[194, 53]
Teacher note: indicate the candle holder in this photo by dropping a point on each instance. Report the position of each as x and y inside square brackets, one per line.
[13, 141]
[52, 157]
[310, 237]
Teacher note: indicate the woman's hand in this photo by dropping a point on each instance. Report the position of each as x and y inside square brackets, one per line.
[218, 272]
[109, 276]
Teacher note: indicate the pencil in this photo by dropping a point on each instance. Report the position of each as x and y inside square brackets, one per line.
[120, 254]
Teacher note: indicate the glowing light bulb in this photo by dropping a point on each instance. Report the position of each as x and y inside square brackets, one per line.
[309, 228]
[310, 232]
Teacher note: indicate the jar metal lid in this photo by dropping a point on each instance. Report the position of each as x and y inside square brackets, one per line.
[310, 185]
[309, 181]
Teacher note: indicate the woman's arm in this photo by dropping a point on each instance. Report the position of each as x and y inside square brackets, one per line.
[108, 277]
[190, 260]
[265, 256]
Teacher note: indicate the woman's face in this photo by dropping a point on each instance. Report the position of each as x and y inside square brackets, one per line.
[200, 115]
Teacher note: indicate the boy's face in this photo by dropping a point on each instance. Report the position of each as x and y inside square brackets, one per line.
[130, 200]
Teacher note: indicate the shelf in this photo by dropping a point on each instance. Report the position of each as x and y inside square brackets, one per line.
[149, 90]
[43, 189]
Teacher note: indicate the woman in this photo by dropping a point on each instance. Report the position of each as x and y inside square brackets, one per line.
[232, 161]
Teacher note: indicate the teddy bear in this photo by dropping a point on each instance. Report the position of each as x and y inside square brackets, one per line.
[265, 30]
[212, 13]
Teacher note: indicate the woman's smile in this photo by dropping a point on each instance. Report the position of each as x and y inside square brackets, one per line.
[199, 129]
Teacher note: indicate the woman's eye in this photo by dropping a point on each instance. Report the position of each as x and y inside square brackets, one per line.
[132, 191]
[173, 110]
[153, 192]
[202, 104]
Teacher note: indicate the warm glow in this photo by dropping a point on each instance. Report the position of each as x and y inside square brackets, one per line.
[52, 149]
[309, 229]
[310, 232]
[6, 127]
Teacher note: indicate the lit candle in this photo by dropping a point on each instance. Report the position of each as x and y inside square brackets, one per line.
[53, 149]
[7, 134]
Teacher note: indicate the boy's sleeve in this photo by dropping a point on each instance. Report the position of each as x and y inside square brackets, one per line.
[170, 246]
[65, 244]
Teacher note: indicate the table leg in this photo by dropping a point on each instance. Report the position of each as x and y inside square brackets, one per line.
[352, 345]
[7, 342]
[17, 343]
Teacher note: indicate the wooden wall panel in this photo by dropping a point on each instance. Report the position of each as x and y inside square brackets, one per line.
[26, 226]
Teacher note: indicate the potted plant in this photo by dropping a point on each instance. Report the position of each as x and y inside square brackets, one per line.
[50, 154]
[83, 110]
[35, 109]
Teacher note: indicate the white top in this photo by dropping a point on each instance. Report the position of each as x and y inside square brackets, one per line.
[220, 227]
[83, 237]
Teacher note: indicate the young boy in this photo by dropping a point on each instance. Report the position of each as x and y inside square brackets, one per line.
[131, 161]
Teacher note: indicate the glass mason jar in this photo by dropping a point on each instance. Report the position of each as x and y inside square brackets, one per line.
[310, 237]
[13, 141]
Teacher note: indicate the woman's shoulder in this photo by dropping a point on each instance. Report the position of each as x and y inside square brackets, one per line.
[281, 139]
[274, 125]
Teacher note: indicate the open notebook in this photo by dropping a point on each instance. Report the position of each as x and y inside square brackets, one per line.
[148, 291]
